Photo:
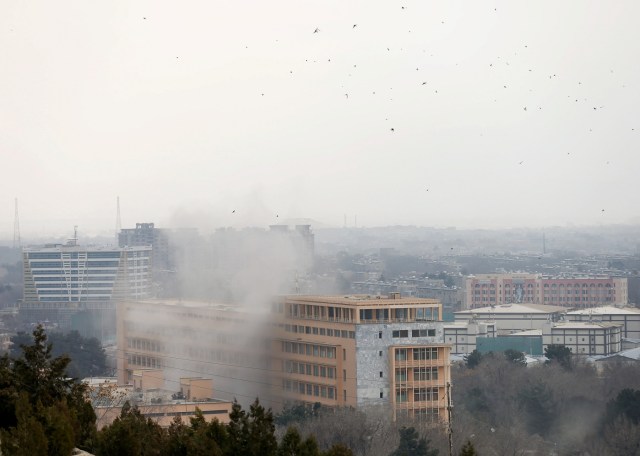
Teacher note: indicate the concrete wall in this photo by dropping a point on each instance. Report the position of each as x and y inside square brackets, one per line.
[372, 356]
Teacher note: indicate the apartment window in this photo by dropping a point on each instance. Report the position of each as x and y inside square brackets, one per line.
[423, 333]
[381, 394]
[425, 353]
[323, 371]
[425, 394]
[400, 333]
[425, 373]
[401, 354]
[323, 332]
[344, 374]
[344, 394]
[315, 331]
[401, 395]
[380, 353]
[344, 354]
[379, 334]
[401, 375]
[380, 374]
[330, 392]
[329, 332]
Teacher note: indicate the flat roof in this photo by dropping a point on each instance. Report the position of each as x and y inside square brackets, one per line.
[633, 353]
[361, 300]
[529, 332]
[585, 325]
[186, 303]
[514, 309]
[82, 248]
[606, 310]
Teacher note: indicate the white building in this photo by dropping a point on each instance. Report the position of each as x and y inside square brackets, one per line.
[629, 317]
[584, 338]
[62, 280]
[510, 318]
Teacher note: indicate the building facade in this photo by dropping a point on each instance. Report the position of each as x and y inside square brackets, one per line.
[218, 341]
[566, 291]
[62, 280]
[629, 317]
[363, 351]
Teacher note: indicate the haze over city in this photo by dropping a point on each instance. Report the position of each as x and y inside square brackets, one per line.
[490, 114]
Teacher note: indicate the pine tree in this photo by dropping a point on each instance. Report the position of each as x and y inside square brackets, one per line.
[468, 449]
[412, 445]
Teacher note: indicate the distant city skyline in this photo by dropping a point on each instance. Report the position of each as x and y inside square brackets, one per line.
[207, 114]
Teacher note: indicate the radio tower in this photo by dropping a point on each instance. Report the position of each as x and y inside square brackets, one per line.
[16, 228]
[118, 221]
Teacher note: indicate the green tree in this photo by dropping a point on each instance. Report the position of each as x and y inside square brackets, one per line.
[56, 402]
[86, 354]
[473, 359]
[131, 434]
[251, 433]
[338, 449]
[626, 403]
[293, 445]
[560, 354]
[27, 438]
[412, 445]
[516, 357]
[538, 403]
[207, 438]
[468, 449]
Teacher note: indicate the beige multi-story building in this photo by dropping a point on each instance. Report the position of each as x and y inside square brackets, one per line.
[154, 401]
[187, 338]
[566, 291]
[338, 351]
[363, 351]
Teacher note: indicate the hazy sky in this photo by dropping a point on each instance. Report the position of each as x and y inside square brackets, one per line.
[399, 111]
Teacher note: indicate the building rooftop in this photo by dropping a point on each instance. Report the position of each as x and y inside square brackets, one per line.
[192, 304]
[364, 300]
[513, 309]
[585, 325]
[632, 354]
[529, 332]
[606, 310]
[82, 248]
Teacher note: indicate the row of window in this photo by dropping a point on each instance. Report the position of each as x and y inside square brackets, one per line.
[419, 354]
[309, 389]
[299, 329]
[419, 394]
[74, 264]
[144, 361]
[58, 272]
[316, 370]
[309, 349]
[420, 374]
[414, 333]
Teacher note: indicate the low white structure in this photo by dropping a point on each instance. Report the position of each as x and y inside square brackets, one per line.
[509, 318]
[629, 317]
[584, 338]
[462, 335]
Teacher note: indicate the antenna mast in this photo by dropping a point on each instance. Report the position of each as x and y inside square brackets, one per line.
[118, 221]
[16, 227]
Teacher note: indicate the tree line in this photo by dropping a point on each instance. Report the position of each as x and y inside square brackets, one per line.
[44, 411]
